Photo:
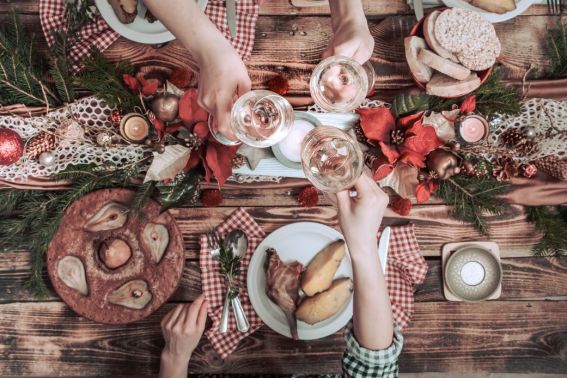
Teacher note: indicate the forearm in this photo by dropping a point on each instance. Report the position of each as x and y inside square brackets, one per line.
[171, 367]
[190, 26]
[346, 11]
[372, 320]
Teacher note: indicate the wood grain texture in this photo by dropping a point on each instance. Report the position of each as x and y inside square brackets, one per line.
[495, 337]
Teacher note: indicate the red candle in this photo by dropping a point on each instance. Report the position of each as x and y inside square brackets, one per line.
[473, 129]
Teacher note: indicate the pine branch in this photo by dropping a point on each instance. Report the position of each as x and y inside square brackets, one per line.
[552, 222]
[473, 198]
[143, 195]
[557, 52]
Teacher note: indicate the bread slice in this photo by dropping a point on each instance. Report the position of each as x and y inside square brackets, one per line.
[126, 10]
[429, 34]
[445, 66]
[445, 86]
[495, 6]
[421, 71]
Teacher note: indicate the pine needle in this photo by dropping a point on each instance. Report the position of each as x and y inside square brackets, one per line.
[552, 221]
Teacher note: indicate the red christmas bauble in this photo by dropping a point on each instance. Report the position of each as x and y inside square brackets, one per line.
[11, 146]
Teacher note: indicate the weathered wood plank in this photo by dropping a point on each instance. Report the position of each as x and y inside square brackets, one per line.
[527, 337]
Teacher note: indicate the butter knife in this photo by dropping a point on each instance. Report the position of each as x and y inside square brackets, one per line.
[231, 16]
[418, 8]
[383, 245]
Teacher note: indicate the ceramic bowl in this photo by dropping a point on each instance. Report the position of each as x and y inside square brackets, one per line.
[473, 273]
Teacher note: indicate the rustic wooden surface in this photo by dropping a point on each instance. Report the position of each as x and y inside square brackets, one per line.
[524, 332]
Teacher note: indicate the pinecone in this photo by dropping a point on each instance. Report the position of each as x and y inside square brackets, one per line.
[239, 161]
[553, 166]
[360, 137]
[39, 144]
[517, 140]
[504, 169]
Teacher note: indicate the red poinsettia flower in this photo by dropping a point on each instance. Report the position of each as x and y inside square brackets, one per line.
[406, 140]
[425, 188]
[147, 87]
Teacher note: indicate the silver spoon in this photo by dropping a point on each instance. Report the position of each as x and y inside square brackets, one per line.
[238, 242]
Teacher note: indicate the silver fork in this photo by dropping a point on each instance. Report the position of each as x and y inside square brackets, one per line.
[555, 6]
[214, 244]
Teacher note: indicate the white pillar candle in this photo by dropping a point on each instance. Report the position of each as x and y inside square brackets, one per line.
[290, 147]
[473, 129]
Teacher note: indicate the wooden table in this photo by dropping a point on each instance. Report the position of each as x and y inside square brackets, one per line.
[523, 332]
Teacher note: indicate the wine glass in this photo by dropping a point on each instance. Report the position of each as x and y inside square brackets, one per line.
[340, 84]
[258, 118]
[331, 159]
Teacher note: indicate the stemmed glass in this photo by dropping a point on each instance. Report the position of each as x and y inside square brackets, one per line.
[340, 84]
[259, 118]
[331, 159]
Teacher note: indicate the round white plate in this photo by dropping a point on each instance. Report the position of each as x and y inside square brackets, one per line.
[295, 242]
[521, 6]
[140, 30]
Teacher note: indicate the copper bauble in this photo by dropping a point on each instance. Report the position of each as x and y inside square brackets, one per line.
[11, 146]
[443, 163]
[166, 107]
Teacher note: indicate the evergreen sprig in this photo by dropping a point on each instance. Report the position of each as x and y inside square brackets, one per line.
[552, 222]
[229, 267]
[472, 198]
[557, 52]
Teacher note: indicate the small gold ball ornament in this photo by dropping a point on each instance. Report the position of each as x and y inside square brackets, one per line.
[166, 107]
[443, 163]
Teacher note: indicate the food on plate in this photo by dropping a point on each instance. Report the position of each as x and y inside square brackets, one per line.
[429, 35]
[282, 286]
[494, 6]
[321, 270]
[445, 66]
[445, 86]
[479, 60]
[126, 10]
[71, 271]
[150, 17]
[324, 305]
[111, 216]
[134, 294]
[421, 71]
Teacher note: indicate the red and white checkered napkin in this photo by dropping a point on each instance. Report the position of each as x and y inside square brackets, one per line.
[406, 268]
[99, 35]
[215, 289]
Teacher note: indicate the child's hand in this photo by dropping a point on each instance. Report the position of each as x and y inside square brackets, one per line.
[351, 39]
[361, 216]
[182, 329]
[223, 78]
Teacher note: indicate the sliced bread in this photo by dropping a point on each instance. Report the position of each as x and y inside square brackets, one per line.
[443, 65]
[429, 34]
[445, 86]
[420, 71]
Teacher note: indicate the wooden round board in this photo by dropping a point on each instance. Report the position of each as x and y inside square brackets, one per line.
[73, 239]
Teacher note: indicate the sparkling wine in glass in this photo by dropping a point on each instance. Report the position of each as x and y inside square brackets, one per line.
[340, 84]
[331, 159]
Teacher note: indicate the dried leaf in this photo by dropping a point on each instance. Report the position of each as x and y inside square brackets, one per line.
[168, 164]
[443, 123]
[402, 180]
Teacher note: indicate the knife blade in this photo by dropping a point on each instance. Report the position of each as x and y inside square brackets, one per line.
[383, 245]
[418, 8]
[231, 16]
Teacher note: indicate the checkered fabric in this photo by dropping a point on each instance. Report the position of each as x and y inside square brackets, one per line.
[362, 362]
[215, 289]
[99, 35]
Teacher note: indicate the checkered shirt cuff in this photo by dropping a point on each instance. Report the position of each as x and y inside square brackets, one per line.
[362, 362]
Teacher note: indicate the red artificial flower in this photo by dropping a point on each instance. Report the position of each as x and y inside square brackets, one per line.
[218, 160]
[400, 205]
[180, 77]
[211, 197]
[424, 190]
[308, 197]
[406, 140]
[278, 84]
[147, 87]
[189, 110]
[159, 126]
[468, 105]
[201, 129]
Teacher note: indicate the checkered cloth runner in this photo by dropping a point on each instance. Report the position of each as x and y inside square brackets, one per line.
[99, 35]
[406, 268]
[215, 289]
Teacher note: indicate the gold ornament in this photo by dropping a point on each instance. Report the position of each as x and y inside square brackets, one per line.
[443, 163]
[166, 107]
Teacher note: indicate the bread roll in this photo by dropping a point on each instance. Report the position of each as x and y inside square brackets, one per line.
[421, 72]
[445, 66]
[445, 86]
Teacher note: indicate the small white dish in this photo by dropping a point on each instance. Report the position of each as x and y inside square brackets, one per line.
[521, 6]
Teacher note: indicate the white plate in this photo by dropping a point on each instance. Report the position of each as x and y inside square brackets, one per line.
[138, 31]
[521, 6]
[295, 242]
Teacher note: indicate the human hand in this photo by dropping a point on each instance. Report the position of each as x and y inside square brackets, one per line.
[351, 39]
[223, 78]
[361, 216]
[182, 329]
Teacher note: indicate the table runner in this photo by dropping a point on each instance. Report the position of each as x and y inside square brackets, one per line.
[406, 268]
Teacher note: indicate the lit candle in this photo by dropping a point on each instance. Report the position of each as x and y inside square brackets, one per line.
[473, 129]
[290, 147]
[134, 128]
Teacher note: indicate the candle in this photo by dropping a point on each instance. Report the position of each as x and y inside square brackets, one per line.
[472, 273]
[473, 129]
[290, 147]
[134, 128]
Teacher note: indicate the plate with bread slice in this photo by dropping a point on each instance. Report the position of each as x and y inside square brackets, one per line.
[300, 281]
[450, 53]
[493, 10]
[131, 19]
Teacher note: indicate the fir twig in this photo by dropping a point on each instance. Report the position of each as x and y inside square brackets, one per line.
[229, 267]
[552, 222]
[557, 52]
[143, 195]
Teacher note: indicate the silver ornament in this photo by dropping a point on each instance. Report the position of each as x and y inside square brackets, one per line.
[104, 139]
[531, 132]
[47, 159]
